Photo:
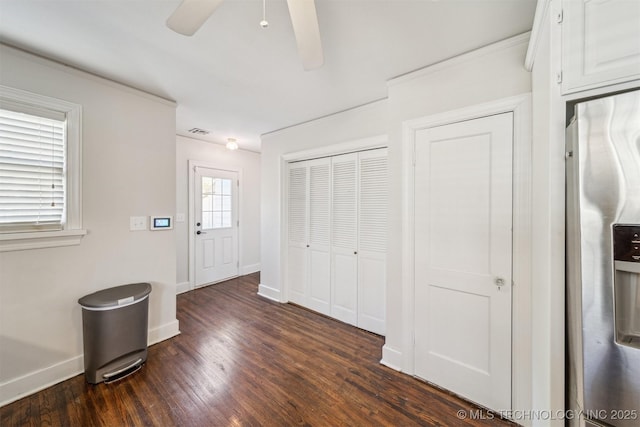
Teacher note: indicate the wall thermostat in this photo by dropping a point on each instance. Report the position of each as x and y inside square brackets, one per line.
[160, 222]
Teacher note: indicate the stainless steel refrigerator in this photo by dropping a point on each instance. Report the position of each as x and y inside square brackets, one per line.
[603, 261]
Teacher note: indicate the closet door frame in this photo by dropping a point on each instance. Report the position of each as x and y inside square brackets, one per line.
[520, 106]
[380, 141]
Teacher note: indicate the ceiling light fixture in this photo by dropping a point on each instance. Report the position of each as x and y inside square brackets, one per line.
[232, 144]
[264, 23]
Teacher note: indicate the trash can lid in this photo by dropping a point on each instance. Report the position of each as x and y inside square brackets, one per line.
[115, 297]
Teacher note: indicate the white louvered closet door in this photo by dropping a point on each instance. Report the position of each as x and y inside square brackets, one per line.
[344, 241]
[298, 208]
[319, 297]
[372, 239]
[337, 224]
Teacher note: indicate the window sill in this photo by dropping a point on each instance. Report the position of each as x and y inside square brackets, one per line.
[43, 239]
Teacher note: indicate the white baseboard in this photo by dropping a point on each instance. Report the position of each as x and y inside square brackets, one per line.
[269, 293]
[23, 386]
[163, 332]
[391, 358]
[183, 287]
[20, 387]
[248, 269]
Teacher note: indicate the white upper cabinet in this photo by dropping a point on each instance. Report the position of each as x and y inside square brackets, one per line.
[600, 43]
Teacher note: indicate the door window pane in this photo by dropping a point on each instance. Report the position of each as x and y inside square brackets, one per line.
[216, 202]
[226, 203]
[226, 187]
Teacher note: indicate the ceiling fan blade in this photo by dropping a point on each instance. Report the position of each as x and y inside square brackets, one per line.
[307, 32]
[191, 14]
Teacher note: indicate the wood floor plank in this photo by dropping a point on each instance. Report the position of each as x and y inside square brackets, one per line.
[247, 361]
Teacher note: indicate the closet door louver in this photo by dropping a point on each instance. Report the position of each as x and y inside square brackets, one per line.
[298, 204]
[319, 228]
[373, 202]
[297, 231]
[372, 242]
[320, 201]
[344, 229]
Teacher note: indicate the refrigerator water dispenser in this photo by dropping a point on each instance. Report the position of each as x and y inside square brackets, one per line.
[626, 248]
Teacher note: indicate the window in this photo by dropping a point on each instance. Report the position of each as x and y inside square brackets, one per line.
[216, 203]
[39, 171]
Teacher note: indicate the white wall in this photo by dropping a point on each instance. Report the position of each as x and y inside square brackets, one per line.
[219, 157]
[489, 74]
[470, 80]
[359, 123]
[128, 154]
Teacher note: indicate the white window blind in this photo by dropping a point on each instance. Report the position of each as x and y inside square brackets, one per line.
[32, 171]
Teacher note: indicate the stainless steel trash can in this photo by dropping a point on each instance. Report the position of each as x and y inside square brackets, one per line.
[114, 330]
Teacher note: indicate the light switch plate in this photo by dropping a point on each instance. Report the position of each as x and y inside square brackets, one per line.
[137, 223]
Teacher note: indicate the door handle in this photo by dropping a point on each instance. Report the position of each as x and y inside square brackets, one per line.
[499, 281]
[200, 232]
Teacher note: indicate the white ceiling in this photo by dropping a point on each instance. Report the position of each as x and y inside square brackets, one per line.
[238, 80]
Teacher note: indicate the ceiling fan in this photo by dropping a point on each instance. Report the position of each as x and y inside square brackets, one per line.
[191, 14]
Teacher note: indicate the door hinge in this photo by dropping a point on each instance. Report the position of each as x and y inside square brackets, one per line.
[560, 16]
[238, 223]
[559, 77]
[238, 182]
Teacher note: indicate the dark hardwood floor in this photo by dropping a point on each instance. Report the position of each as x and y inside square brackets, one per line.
[244, 360]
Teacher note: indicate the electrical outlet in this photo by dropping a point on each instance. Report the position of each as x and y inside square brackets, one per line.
[137, 223]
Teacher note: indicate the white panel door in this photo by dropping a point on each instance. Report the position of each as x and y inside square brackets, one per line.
[463, 218]
[372, 239]
[344, 241]
[319, 266]
[216, 220]
[298, 208]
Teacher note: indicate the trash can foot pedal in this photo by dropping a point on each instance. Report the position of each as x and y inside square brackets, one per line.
[122, 372]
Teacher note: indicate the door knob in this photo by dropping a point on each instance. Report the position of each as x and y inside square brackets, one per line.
[200, 232]
[499, 281]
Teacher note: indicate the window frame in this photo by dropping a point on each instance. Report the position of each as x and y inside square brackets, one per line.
[72, 230]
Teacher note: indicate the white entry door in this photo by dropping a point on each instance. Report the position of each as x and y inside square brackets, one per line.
[216, 225]
[463, 240]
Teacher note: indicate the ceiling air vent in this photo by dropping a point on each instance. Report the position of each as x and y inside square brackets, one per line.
[198, 131]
